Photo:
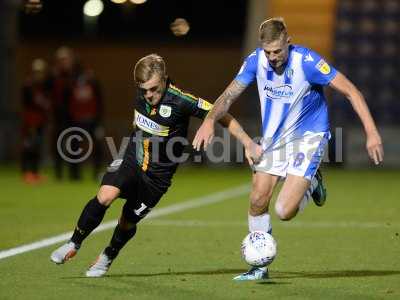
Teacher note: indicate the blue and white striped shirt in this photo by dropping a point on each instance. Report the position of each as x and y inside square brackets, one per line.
[292, 103]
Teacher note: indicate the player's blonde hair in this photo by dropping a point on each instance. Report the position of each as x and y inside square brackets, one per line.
[148, 66]
[272, 29]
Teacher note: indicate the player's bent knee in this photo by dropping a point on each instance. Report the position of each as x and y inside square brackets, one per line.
[107, 194]
[283, 212]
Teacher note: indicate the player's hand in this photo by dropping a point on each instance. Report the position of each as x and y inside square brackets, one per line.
[204, 135]
[253, 153]
[375, 147]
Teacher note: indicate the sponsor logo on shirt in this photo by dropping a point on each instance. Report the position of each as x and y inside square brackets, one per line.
[323, 67]
[150, 126]
[279, 92]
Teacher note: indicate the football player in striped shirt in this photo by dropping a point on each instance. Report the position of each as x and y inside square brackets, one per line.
[295, 126]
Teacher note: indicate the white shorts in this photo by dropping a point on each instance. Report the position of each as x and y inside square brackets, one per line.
[300, 157]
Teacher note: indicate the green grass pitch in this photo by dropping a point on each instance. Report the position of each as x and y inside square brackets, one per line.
[348, 249]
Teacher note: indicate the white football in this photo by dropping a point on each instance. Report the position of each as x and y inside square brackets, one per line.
[259, 248]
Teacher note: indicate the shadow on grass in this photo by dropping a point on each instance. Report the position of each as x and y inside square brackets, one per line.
[271, 282]
[273, 274]
[171, 273]
[335, 274]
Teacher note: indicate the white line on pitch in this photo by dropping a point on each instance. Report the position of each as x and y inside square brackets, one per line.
[193, 203]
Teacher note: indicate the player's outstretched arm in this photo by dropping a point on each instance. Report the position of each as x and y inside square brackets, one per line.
[205, 133]
[374, 141]
[253, 150]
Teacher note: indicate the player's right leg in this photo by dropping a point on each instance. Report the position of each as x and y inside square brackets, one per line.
[90, 218]
[261, 192]
[259, 218]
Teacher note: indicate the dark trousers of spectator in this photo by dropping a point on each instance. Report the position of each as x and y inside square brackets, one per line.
[31, 150]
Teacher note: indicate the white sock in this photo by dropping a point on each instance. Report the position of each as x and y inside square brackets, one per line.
[261, 222]
[307, 196]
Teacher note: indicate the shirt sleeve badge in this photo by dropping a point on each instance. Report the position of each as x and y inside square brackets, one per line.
[323, 67]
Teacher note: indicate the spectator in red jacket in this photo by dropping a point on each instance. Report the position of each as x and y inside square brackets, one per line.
[35, 108]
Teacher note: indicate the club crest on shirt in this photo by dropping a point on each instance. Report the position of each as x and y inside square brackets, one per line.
[323, 67]
[165, 111]
[289, 73]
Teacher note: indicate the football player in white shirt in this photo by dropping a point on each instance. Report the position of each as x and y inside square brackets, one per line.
[295, 126]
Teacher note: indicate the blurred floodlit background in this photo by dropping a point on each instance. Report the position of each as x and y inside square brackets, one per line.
[203, 43]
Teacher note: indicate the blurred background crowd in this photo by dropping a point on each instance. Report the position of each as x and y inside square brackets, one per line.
[69, 64]
[55, 98]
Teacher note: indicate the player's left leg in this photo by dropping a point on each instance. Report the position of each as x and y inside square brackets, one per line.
[123, 232]
[303, 181]
[289, 199]
[318, 193]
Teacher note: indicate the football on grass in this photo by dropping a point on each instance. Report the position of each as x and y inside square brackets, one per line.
[259, 248]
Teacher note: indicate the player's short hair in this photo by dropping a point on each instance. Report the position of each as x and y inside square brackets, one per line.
[148, 66]
[272, 29]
